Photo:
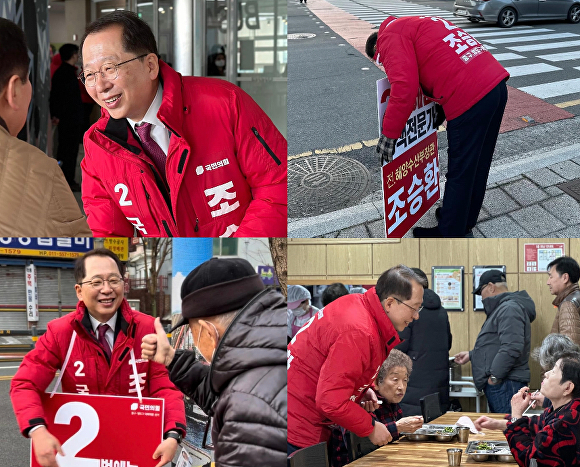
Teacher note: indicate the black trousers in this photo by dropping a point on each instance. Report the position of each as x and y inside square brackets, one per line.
[472, 137]
[69, 138]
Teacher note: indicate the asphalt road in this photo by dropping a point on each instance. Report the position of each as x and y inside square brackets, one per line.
[14, 448]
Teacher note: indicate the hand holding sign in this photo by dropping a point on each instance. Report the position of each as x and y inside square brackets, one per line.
[45, 447]
[156, 346]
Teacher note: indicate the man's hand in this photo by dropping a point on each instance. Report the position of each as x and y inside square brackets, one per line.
[489, 424]
[462, 357]
[520, 402]
[156, 346]
[409, 424]
[386, 149]
[369, 401]
[380, 435]
[45, 447]
[166, 450]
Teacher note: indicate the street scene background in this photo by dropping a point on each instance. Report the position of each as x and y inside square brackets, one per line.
[334, 182]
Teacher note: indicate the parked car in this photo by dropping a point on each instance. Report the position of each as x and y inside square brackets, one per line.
[508, 12]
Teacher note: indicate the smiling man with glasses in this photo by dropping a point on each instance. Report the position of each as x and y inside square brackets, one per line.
[107, 330]
[174, 155]
[333, 360]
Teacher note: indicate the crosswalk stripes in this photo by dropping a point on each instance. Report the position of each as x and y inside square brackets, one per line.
[522, 49]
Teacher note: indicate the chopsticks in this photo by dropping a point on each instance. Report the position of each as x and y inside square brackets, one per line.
[532, 403]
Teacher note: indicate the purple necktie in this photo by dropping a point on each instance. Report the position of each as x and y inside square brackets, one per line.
[150, 147]
[102, 329]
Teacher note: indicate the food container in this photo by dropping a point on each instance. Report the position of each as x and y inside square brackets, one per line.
[498, 451]
[445, 438]
[416, 436]
[433, 433]
[463, 434]
[480, 457]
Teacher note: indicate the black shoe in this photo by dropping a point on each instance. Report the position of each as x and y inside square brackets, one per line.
[431, 232]
[469, 233]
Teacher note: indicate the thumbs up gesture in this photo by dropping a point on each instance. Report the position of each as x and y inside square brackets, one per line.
[156, 346]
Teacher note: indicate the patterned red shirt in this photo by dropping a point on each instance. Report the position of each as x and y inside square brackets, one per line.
[553, 438]
[339, 443]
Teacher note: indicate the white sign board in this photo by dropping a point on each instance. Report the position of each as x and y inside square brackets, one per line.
[31, 293]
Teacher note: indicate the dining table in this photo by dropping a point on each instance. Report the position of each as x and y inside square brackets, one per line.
[405, 453]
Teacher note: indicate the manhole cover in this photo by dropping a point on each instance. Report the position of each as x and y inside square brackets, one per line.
[325, 183]
[301, 35]
[572, 188]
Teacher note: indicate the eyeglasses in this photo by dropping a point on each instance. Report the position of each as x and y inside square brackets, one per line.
[409, 306]
[108, 71]
[98, 283]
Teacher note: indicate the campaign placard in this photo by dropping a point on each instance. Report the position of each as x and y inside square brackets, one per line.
[411, 181]
[102, 430]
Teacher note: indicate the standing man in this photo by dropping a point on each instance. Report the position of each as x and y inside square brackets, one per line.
[35, 200]
[334, 359]
[499, 359]
[563, 276]
[173, 155]
[427, 341]
[457, 72]
[107, 329]
[239, 327]
[66, 110]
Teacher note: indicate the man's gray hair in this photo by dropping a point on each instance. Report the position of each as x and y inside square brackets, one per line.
[396, 358]
[553, 348]
[397, 282]
[501, 284]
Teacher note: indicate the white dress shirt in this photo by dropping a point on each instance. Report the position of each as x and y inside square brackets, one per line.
[110, 334]
[159, 132]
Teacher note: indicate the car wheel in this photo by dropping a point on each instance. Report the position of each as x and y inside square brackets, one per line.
[574, 14]
[507, 18]
[473, 20]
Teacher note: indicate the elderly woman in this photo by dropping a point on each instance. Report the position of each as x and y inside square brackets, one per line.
[553, 438]
[554, 347]
[391, 385]
[299, 308]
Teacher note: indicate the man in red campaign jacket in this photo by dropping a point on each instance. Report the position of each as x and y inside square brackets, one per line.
[457, 72]
[106, 329]
[172, 155]
[334, 359]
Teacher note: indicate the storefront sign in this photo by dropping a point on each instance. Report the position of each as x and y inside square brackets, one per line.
[45, 247]
[537, 256]
[411, 181]
[31, 293]
[119, 246]
[447, 282]
[104, 431]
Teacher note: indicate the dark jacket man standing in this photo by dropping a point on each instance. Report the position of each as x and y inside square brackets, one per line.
[427, 341]
[66, 110]
[563, 276]
[499, 359]
[457, 72]
[239, 327]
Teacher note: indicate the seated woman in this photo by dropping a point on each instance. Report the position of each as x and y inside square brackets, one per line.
[553, 438]
[391, 385]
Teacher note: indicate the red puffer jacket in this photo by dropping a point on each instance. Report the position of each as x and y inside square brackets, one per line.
[451, 67]
[226, 168]
[88, 371]
[332, 360]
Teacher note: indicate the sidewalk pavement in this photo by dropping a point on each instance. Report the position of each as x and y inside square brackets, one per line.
[522, 198]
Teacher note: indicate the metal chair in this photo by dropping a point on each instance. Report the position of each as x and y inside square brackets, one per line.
[430, 407]
[360, 447]
[312, 456]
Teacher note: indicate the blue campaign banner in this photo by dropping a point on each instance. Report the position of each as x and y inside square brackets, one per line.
[39, 246]
[268, 275]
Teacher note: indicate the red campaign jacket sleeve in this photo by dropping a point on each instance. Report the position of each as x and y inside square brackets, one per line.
[32, 378]
[160, 386]
[552, 444]
[337, 381]
[403, 73]
[105, 218]
[262, 155]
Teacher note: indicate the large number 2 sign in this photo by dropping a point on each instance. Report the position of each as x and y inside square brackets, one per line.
[82, 438]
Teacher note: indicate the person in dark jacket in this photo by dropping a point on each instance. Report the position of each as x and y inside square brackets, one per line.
[239, 327]
[499, 359]
[66, 110]
[332, 292]
[427, 341]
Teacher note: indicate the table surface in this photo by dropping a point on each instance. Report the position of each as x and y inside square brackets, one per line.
[404, 453]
